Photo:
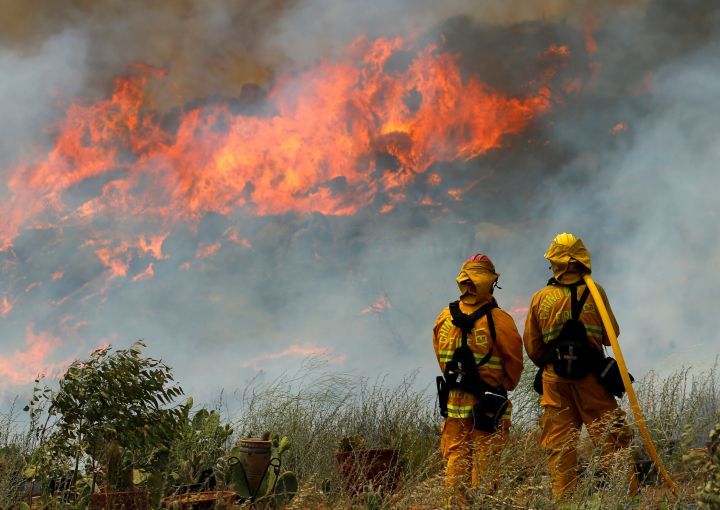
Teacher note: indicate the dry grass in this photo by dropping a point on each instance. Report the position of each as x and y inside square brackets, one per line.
[316, 408]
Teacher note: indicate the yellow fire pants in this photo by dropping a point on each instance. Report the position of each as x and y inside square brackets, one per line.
[468, 452]
[567, 406]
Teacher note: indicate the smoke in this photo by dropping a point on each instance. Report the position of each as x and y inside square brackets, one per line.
[656, 201]
[624, 159]
[645, 202]
[209, 47]
[214, 48]
[31, 89]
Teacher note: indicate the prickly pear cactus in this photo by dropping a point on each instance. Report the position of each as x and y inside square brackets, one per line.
[285, 488]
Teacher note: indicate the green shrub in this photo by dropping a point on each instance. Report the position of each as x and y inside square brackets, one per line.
[110, 413]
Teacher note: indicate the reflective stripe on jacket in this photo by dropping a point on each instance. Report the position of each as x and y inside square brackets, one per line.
[504, 366]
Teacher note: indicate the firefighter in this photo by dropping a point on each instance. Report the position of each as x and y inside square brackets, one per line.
[475, 405]
[571, 392]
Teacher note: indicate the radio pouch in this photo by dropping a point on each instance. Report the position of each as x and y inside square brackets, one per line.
[607, 372]
[443, 395]
[489, 410]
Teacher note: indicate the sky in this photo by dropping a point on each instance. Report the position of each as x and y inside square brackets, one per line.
[248, 184]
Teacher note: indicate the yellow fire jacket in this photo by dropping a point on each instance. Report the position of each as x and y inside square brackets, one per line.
[504, 366]
[549, 308]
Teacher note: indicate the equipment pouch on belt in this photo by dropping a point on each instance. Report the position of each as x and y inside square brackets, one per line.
[608, 374]
[443, 395]
[489, 410]
[537, 382]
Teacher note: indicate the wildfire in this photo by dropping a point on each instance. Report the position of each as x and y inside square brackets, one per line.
[312, 148]
[22, 366]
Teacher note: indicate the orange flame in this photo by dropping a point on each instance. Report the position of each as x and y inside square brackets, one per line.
[618, 128]
[312, 149]
[296, 350]
[23, 366]
[145, 275]
[592, 25]
[208, 249]
[519, 309]
[381, 304]
[6, 305]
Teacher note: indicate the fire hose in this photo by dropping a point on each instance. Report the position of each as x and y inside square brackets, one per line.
[632, 398]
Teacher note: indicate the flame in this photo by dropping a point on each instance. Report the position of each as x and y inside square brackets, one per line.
[295, 350]
[312, 148]
[618, 128]
[573, 86]
[207, 249]
[23, 366]
[519, 309]
[434, 179]
[6, 306]
[116, 255]
[145, 275]
[592, 25]
[32, 286]
[381, 304]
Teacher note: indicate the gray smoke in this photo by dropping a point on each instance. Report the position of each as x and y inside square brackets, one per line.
[641, 195]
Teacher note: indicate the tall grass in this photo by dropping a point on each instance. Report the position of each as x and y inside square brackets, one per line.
[680, 409]
[18, 441]
[317, 407]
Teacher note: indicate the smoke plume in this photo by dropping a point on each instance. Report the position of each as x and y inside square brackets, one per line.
[614, 142]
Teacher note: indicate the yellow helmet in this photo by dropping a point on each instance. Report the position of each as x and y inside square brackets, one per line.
[565, 239]
[564, 248]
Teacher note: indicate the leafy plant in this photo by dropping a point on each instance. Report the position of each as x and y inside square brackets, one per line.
[201, 441]
[112, 411]
[708, 463]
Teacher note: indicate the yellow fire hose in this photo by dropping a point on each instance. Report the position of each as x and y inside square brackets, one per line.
[628, 385]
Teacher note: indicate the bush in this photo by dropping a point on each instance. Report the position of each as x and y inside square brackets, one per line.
[111, 413]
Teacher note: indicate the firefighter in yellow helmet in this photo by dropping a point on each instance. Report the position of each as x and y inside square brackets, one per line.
[479, 350]
[568, 358]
